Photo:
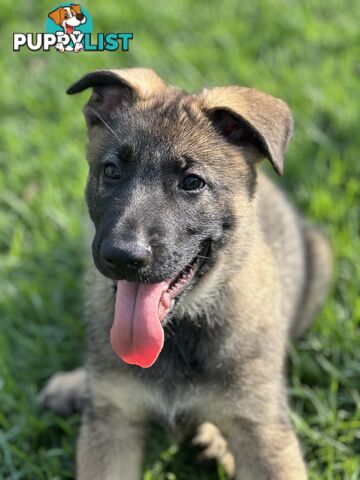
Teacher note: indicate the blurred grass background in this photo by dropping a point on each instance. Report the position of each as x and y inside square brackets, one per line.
[306, 52]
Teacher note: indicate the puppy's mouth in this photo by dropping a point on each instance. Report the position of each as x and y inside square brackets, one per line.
[69, 29]
[137, 334]
[184, 280]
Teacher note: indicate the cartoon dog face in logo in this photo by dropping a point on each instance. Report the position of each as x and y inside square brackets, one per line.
[68, 18]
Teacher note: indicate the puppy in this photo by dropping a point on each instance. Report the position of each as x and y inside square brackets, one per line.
[204, 271]
[68, 18]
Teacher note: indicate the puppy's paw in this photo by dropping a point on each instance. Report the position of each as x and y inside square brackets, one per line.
[60, 47]
[214, 447]
[78, 47]
[64, 393]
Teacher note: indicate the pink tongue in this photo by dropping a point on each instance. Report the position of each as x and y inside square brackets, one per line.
[137, 336]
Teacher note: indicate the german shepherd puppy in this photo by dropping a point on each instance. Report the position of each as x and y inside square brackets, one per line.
[204, 271]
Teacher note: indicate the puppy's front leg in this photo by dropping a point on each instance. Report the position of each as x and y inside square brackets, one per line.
[110, 446]
[266, 452]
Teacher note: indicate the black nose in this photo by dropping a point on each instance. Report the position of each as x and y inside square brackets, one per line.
[126, 255]
[80, 16]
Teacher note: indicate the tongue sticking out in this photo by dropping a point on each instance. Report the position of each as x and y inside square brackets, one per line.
[137, 336]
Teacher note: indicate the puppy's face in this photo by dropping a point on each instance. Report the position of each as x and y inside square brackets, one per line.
[163, 178]
[171, 180]
[68, 17]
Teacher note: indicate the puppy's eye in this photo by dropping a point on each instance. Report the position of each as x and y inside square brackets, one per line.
[111, 171]
[192, 182]
[66, 15]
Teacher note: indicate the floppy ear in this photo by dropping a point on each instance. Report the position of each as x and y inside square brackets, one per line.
[116, 88]
[55, 15]
[76, 7]
[244, 115]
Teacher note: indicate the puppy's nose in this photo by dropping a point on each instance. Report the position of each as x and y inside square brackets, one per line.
[126, 255]
[79, 16]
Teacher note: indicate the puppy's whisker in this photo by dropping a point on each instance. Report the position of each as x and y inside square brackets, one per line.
[105, 123]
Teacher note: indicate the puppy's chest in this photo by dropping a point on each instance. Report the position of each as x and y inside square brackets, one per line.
[190, 366]
[192, 353]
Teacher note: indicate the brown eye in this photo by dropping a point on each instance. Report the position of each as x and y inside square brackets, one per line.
[192, 182]
[66, 16]
[111, 171]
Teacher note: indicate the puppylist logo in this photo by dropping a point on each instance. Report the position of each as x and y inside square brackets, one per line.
[69, 29]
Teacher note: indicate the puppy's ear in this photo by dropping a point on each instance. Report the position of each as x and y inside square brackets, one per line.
[55, 15]
[113, 89]
[243, 115]
[76, 7]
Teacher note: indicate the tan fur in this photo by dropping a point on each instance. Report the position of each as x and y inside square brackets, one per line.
[214, 446]
[143, 80]
[275, 124]
[267, 282]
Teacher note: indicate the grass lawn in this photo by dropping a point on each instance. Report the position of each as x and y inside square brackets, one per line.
[306, 52]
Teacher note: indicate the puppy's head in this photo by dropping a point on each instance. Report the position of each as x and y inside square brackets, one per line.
[171, 182]
[68, 17]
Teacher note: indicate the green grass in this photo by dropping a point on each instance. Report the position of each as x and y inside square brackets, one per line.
[306, 52]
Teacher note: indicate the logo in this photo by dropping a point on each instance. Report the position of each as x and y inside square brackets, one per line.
[69, 29]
